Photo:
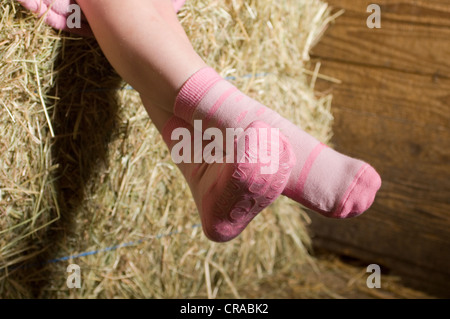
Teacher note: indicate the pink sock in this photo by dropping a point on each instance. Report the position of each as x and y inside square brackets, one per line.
[229, 195]
[322, 179]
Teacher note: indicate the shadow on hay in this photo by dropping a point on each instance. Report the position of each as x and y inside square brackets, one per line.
[84, 120]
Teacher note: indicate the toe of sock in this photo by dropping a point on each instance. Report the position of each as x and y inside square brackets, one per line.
[361, 193]
[223, 232]
[177, 4]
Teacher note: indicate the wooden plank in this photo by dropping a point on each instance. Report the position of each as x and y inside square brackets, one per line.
[393, 111]
[419, 99]
[427, 279]
[412, 48]
[416, 12]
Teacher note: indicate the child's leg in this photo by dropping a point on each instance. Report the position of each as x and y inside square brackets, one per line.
[144, 42]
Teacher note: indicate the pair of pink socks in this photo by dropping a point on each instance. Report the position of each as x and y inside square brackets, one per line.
[309, 172]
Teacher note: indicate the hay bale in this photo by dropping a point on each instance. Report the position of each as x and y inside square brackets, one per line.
[83, 169]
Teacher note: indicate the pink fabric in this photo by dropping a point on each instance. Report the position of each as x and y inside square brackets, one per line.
[330, 166]
[194, 91]
[57, 12]
[241, 117]
[356, 198]
[229, 195]
[306, 169]
[219, 102]
[322, 179]
[178, 4]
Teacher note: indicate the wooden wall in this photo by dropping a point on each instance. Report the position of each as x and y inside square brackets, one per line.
[393, 111]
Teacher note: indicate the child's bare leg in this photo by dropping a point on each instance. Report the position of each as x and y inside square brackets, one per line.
[146, 44]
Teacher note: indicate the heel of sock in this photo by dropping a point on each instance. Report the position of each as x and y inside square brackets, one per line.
[247, 191]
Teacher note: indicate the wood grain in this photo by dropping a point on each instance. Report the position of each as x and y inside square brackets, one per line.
[410, 46]
[393, 111]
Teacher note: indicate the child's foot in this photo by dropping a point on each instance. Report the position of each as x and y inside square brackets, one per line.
[229, 195]
[322, 179]
[56, 14]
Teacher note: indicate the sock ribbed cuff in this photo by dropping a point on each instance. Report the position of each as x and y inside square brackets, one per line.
[193, 91]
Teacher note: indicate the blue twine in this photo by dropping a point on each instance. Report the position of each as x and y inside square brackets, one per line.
[103, 250]
[247, 76]
[228, 78]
